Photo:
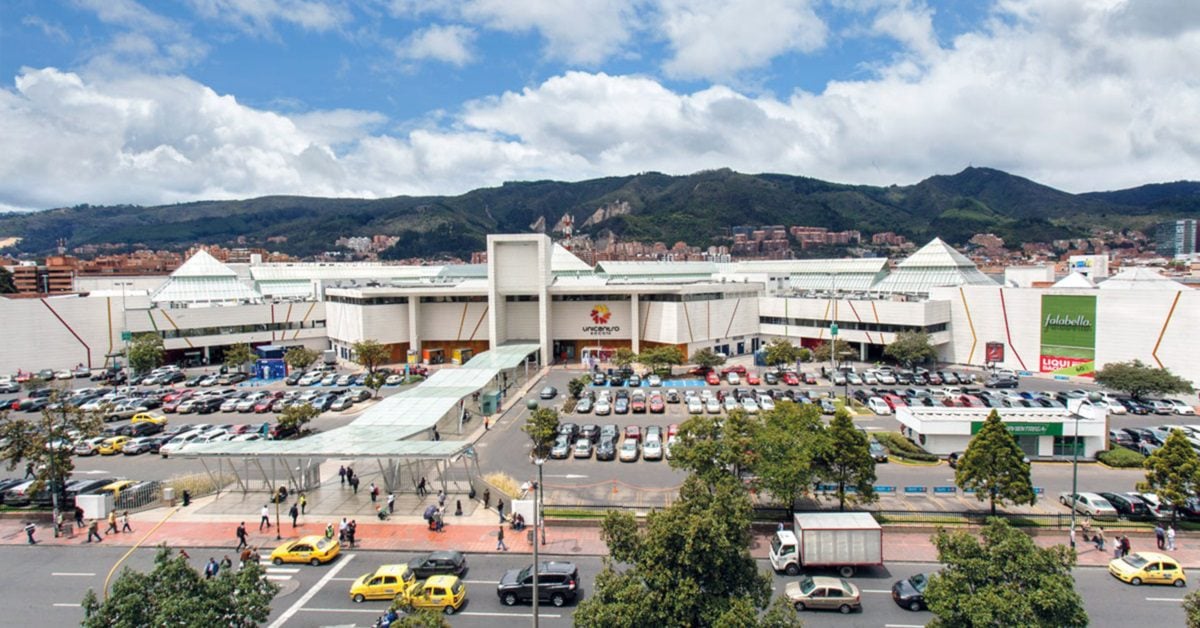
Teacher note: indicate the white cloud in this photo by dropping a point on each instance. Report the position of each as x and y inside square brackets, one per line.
[52, 30]
[720, 38]
[449, 43]
[259, 16]
[1081, 101]
[149, 41]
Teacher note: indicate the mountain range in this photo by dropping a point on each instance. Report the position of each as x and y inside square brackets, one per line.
[698, 209]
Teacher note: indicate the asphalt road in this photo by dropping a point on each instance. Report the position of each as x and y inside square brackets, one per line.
[54, 579]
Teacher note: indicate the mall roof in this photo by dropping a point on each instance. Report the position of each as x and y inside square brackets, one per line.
[204, 280]
[381, 431]
[562, 261]
[812, 266]
[1138, 278]
[656, 269]
[1075, 280]
[935, 265]
[339, 270]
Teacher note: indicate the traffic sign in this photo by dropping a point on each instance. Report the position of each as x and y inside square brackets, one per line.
[126, 336]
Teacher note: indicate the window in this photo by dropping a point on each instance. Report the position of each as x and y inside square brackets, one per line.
[868, 326]
[521, 298]
[590, 297]
[1066, 445]
[392, 300]
[453, 299]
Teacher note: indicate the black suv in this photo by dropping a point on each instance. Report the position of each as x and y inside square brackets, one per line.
[558, 583]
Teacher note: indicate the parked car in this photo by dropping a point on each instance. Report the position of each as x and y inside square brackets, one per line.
[629, 450]
[1127, 505]
[1001, 382]
[878, 453]
[558, 583]
[1089, 504]
[561, 447]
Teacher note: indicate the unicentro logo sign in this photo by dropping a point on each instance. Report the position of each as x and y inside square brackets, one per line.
[601, 314]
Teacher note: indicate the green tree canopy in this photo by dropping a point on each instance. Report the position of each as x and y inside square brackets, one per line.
[1007, 580]
[842, 349]
[238, 356]
[910, 347]
[791, 438]
[846, 461]
[542, 427]
[715, 450]
[578, 384]
[145, 352]
[6, 282]
[1191, 606]
[300, 357]
[44, 441]
[298, 416]
[706, 358]
[175, 594]
[994, 466]
[658, 358]
[688, 567]
[623, 357]
[370, 354]
[781, 351]
[1173, 471]
[1140, 380]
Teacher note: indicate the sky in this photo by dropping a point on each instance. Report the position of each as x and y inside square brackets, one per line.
[166, 101]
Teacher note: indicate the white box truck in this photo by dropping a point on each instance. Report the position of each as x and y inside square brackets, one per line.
[828, 540]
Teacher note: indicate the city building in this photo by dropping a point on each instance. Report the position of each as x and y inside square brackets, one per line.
[1177, 238]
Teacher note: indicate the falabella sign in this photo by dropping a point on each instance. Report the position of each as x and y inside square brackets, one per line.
[1068, 335]
[600, 316]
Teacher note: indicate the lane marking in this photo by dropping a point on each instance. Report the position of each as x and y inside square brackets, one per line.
[867, 590]
[271, 577]
[72, 573]
[483, 614]
[903, 626]
[376, 611]
[291, 570]
[308, 595]
[68, 605]
[1164, 599]
[342, 579]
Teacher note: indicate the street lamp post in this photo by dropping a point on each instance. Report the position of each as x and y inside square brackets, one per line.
[1078, 405]
[537, 461]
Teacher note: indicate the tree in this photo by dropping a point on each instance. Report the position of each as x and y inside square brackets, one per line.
[1173, 471]
[375, 381]
[994, 466]
[6, 282]
[174, 593]
[1191, 606]
[145, 352]
[781, 351]
[707, 359]
[689, 566]
[840, 347]
[298, 416]
[846, 461]
[1008, 580]
[715, 450]
[656, 358]
[577, 385]
[542, 427]
[788, 443]
[910, 347]
[1140, 380]
[371, 355]
[624, 357]
[44, 442]
[300, 358]
[238, 356]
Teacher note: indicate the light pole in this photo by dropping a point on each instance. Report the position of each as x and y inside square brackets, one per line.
[1075, 408]
[125, 333]
[537, 461]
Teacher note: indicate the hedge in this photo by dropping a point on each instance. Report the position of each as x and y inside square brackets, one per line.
[1121, 458]
[901, 447]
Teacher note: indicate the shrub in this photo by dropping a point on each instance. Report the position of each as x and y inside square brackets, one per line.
[1121, 458]
[198, 484]
[901, 447]
[504, 483]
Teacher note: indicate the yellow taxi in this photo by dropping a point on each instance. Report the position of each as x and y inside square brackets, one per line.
[116, 487]
[384, 583]
[113, 445]
[1148, 567]
[313, 550]
[444, 593]
[146, 417]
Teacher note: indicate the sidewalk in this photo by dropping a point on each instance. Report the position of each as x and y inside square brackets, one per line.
[476, 533]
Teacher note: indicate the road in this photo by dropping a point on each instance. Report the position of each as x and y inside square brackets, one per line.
[54, 579]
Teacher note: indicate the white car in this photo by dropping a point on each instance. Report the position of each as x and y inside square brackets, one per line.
[733, 378]
[766, 403]
[671, 440]
[1181, 407]
[878, 406]
[712, 406]
[394, 379]
[174, 445]
[310, 379]
[653, 449]
[629, 450]
[1089, 504]
[694, 406]
[869, 379]
[602, 407]
[654, 380]
[241, 438]
[750, 406]
[89, 447]
[1112, 406]
[731, 403]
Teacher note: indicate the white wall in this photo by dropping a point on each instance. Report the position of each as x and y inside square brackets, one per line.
[522, 320]
[32, 338]
[453, 321]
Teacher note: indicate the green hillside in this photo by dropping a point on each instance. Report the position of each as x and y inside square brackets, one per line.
[698, 209]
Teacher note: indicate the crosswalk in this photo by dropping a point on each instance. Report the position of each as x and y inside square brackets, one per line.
[278, 573]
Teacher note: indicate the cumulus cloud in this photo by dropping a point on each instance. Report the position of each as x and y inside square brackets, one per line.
[720, 38]
[145, 39]
[448, 43]
[259, 16]
[1078, 100]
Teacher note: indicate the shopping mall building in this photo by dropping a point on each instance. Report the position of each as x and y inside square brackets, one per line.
[534, 291]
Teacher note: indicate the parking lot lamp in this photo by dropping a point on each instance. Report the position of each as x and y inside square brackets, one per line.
[1075, 407]
[538, 462]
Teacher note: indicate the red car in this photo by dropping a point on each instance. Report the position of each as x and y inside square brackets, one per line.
[894, 402]
[970, 401]
[791, 379]
[736, 368]
[657, 405]
[713, 379]
[634, 432]
[700, 370]
[264, 404]
[638, 405]
[172, 404]
[672, 430]
[752, 379]
[810, 379]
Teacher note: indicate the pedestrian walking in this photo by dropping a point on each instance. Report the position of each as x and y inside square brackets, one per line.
[354, 484]
[329, 531]
[458, 508]
[374, 492]
[29, 475]
[112, 523]
[1125, 546]
[441, 497]
[1099, 539]
[303, 501]
[294, 512]
[59, 520]
[1160, 535]
[487, 498]
[391, 504]
[421, 492]
[342, 530]
[30, 528]
[1117, 546]
[500, 541]
[241, 535]
[351, 530]
[500, 507]
[78, 517]
[266, 518]
[342, 474]
[487, 425]
[94, 530]
[349, 473]
[226, 563]
[211, 569]
[1171, 538]
[125, 527]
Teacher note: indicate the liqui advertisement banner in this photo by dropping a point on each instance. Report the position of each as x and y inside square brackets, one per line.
[1068, 335]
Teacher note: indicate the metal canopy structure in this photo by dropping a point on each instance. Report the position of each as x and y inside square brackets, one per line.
[385, 432]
